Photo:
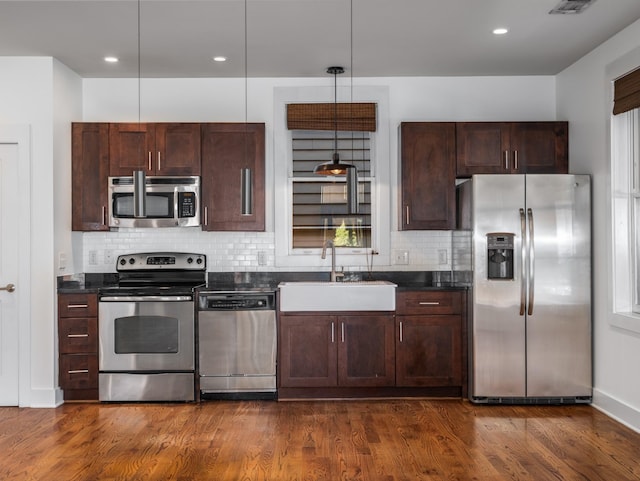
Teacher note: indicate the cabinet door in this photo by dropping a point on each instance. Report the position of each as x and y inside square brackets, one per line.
[482, 148]
[307, 351]
[177, 149]
[428, 176]
[89, 176]
[131, 147]
[429, 351]
[540, 147]
[226, 150]
[366, 350]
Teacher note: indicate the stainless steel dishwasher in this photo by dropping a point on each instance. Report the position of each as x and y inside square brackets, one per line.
[237, 343]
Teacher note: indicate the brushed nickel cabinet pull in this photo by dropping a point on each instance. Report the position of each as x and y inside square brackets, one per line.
[79, 371]
[159, 164]
[342, 324]
[206, 216]
[77, 335]
[506, 160]
[407, 214]
[333, 332]
[77, 306]
[429, 303]
[149, 161]
[515, 159]
[401, 332]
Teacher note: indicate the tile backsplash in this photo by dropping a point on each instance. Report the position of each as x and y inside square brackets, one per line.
[255, 251]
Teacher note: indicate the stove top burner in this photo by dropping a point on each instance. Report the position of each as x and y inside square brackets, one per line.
[158, 274]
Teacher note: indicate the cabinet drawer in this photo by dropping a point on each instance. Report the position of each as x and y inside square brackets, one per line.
[78, 335]
[79, 371]
[77, 305]
[429, 302]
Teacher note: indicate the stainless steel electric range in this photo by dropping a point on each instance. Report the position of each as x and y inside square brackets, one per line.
[147, 328]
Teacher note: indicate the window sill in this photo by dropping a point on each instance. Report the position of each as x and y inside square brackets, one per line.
[629, 321]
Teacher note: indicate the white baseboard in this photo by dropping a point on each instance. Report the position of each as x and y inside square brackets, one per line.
[46, 398]
[621, 412]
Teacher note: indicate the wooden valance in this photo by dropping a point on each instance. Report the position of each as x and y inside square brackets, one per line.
[354, 117]
[626, 92]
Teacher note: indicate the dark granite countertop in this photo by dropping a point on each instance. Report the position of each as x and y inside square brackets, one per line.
[405, 280]
[88, 283]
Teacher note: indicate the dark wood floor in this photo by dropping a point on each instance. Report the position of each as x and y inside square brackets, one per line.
[317, 440]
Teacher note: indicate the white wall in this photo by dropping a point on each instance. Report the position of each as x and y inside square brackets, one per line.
[214, 100]
[584, 98]
[28, 87]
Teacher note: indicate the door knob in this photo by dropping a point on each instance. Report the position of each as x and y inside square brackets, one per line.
[8, 287]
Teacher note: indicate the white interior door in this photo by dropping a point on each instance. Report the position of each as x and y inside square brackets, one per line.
[9, 318]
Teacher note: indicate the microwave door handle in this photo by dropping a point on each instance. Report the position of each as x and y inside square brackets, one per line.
[139, 194]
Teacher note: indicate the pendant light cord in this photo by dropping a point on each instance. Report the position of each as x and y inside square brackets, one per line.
[139, 63]
[335, 113]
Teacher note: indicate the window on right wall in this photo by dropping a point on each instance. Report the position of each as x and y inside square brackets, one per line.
[625, 201]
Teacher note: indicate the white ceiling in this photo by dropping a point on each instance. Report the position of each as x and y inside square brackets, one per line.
[301, 38]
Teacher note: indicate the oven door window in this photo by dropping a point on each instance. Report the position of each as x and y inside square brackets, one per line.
[159, 205]
[146, 335]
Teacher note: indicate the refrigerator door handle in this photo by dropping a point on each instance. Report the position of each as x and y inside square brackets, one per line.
[523, 257]
[531, 263]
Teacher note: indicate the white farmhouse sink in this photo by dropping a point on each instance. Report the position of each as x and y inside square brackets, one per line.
[338, 296]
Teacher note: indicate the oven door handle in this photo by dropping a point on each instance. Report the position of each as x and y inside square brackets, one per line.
[145, 298]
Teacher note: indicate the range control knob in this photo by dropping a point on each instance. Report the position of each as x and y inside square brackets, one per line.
[132, 261]
[190, 260]
[199, 261]
[123, 261]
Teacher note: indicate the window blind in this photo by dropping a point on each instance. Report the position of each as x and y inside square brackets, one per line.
[355, 117]
[320, 202]
[626, 92]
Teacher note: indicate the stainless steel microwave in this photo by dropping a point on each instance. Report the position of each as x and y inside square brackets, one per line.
[154, 201]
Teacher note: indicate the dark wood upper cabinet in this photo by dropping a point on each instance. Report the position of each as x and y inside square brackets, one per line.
[512, 148]
[158, 149]
[90, 173]
[227, 149]
[428, 174]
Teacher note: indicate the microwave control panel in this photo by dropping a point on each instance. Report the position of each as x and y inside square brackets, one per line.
[186, 204]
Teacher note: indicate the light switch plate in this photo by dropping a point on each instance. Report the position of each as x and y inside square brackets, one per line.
[401, 257]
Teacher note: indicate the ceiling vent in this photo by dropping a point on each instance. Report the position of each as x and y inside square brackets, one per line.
[571, 6]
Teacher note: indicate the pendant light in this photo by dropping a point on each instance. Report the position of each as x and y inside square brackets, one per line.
[246, 183]
[335, 167]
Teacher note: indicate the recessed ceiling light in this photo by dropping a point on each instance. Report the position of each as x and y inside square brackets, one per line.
[500, 31]
[220, 58]
[111, 59]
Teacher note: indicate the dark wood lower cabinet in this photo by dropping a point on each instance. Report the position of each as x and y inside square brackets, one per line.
[78, 346]
[366, 351]
[308, 351]
[429, 351]
[319, 350]
[420, 351]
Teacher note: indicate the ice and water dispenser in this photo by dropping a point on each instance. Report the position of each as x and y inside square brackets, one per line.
[500, 256]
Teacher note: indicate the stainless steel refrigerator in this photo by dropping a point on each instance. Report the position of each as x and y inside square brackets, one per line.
[531, 320]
